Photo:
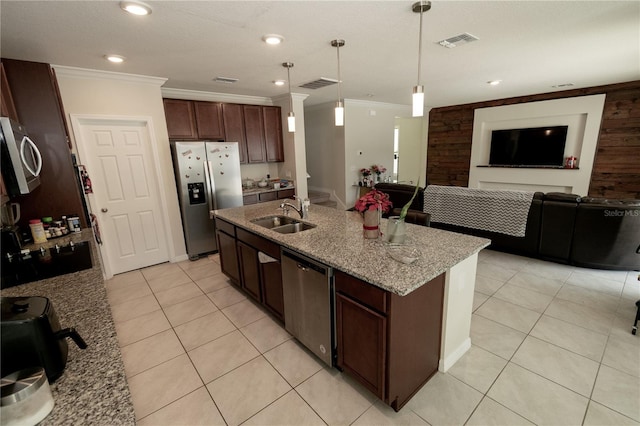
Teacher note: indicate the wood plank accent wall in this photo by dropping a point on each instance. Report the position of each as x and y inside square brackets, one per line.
[616, 170]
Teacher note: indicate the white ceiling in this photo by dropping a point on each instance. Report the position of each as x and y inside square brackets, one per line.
[529, 45]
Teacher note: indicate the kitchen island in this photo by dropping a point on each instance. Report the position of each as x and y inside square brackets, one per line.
[93, 388]
[396, 301]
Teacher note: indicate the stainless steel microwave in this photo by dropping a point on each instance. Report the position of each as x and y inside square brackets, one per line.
[21, 160]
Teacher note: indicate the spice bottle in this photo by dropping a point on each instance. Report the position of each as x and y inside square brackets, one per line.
[37, 231]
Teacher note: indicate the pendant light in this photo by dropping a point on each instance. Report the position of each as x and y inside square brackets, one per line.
[291, 118]
[418, 90]
[339, 111]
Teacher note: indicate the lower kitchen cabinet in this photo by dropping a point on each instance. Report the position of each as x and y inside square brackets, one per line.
[380, 333]
[249, 270]
[225, 234]
[258, 275]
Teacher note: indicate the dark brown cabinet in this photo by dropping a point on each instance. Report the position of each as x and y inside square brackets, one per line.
[254, 132]
[233, 118]
[209, 120]
[225, 234]
[380, 333]
[180, 117]
[274, 149]
[192, 120]
[242, 259]
[8, 108]
[256, 128]
[249, 269]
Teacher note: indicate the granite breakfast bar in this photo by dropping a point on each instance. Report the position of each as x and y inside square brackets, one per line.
[337, 241]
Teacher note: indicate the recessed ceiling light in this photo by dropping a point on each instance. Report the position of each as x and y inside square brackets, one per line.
[272, 39]
[136, 8]
[494, 82]
[116, 59]
[279, 82]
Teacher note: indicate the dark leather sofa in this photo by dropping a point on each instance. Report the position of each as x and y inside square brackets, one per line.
[564, 228]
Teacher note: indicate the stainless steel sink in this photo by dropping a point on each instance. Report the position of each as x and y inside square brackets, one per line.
[273, 221]
[292, 228]
[283, 224]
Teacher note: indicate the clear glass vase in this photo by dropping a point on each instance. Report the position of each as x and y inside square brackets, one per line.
[396, 230]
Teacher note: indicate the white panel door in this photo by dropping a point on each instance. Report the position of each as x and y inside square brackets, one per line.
[125, 198]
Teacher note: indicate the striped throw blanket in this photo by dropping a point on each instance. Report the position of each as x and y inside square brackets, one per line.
[501, 211]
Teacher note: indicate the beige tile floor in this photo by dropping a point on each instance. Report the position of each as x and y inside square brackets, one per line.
[551, 345]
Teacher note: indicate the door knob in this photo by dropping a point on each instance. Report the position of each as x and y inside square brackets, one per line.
[103, 210]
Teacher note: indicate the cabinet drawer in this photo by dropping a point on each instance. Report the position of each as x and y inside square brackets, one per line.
[365, 293]
[267, 196]
[262, 244]
[250, 199]
[225, 226]
[287, 193]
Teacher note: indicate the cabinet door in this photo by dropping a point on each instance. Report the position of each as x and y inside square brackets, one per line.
[273, 133]
[228, 256]
[233, 119]
[181, 123]
[248, 258]
[7, 107]
[271, 279]
[361, 334]
[209, 120]
[254, 132]
[287, 193]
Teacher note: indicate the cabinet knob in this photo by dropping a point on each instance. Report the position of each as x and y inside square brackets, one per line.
[104, 210]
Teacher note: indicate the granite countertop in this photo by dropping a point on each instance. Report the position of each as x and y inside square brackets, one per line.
[258, 190]
[338, 242]
[93, 388]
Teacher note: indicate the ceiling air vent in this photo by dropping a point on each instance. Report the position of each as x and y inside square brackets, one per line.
[319, 83]
[458, 40]
[226, 80]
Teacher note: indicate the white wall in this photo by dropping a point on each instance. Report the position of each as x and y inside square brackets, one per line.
[411, 139]
[368, 139]
[105, 93]
[583, 116]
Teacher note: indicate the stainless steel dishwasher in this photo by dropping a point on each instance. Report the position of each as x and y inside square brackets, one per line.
[308, 303]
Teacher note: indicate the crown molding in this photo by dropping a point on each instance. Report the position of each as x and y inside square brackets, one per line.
[295, 96]
[198, 95]
[86, 73]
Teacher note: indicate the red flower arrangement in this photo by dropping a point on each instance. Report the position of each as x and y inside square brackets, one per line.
[365, 172]
[378, 169]
[374, 200]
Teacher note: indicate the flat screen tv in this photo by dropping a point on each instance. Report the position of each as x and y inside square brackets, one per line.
[534, 147]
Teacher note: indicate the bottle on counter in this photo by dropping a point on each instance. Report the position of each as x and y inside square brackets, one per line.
[73, 223]
[37, 231]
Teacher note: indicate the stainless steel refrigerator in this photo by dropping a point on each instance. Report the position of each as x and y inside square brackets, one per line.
[208, 178]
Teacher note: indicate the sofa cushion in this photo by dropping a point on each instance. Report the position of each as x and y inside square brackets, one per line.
[400, 194]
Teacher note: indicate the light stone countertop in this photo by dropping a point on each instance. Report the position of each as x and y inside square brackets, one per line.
[337, 241]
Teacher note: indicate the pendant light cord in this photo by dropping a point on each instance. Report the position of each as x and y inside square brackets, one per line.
[290, 96]
[420, 48]
[339, 78]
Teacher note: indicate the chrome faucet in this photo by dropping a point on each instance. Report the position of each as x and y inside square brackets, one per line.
[285, 209]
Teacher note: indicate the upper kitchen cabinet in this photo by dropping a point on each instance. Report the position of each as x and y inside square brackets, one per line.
[257, 129]
[233, 118]
[209, 120]
[273, 133]
[36, 99]
[181, 120]
[254, 132]
[8, 107]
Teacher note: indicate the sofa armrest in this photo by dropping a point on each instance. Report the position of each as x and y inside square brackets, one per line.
[414, 216]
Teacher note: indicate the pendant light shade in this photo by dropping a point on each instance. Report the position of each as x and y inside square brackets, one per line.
[339, 110]
[418, 89]
[291, 118]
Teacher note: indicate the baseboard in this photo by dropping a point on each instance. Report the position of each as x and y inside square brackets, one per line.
[180, 258]
[448, 362]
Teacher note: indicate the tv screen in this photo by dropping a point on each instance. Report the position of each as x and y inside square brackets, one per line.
[540, 146]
